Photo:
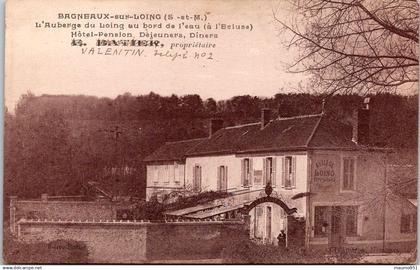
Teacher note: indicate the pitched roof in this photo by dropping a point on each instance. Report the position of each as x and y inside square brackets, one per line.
[282, 133]
[299, 132]
[331, 133]
[292, 133]
[172, 151]
[225, 141]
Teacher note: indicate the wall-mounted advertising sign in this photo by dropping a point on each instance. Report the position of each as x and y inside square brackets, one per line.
[325, 172]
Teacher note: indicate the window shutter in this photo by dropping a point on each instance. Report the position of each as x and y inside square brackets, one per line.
[264, 171]
[251, 172]
[293, 171]
[181, 173]
[219, 181]
[273, 176]
[242, 172]
[195, 178]
[199, 182]
[283, 171]
[226, 178]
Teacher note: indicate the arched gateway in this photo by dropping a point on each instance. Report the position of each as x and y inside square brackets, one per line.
[268, 198]
[295, 228]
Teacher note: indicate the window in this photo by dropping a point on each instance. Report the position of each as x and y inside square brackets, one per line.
[155, 172]
[180, 176]
[159, 173]
[408, 223]
[222, 178]
[350, 218]
[289, 171]
[166, 175]
[246, 172]
[197, 178]
[321, 221]
[348, 174]
[269, 165]
[176, 173]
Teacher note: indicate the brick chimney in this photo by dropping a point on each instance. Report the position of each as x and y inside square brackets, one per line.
[215, 125]
[361, 125]
[265, 117]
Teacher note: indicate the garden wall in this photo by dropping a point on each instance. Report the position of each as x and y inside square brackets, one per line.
[66, 210]
[136, 241]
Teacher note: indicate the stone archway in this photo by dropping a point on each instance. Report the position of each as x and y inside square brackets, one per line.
[295, 228]
[270, 199]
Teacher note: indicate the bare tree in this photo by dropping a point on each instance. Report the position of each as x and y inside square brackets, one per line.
[355, 46]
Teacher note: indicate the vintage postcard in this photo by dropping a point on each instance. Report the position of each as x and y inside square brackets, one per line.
[211, 132]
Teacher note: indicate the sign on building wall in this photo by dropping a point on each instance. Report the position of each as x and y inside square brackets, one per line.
[325, 173]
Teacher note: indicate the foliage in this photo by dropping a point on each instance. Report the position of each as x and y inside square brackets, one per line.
[248, 252]
[153, 209]
[200, 198]
[54, 252]
[355, 46]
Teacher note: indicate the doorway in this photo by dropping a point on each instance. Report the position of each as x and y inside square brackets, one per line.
[268, 225]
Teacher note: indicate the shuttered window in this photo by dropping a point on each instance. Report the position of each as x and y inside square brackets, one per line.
[155, 174]
[246, 172]
[269, 171]
[176, 173]
[289, 172]
[222, 178]
[348, 174]
[166, 174]
[197, 178]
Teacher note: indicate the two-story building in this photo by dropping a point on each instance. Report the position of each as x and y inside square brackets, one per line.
[328, 171]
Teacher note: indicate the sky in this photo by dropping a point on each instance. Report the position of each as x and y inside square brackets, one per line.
[42, 61]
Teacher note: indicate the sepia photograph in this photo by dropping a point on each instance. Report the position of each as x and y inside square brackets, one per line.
[211, 132]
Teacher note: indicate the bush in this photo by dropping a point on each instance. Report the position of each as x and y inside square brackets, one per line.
[55, 252]
[248, 252]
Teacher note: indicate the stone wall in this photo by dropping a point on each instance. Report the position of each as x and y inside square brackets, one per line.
[65, 210]
[191, 240]
[137, 241]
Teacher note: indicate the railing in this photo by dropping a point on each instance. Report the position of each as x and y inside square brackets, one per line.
[87, 221]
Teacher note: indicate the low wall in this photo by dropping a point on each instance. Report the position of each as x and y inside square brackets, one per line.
[65, 210]
[138, 242]
[191, 240]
